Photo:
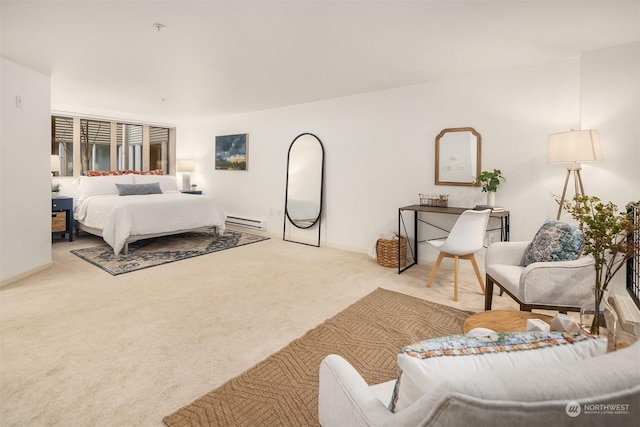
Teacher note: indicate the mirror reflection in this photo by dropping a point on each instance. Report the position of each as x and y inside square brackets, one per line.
[457, 156]
[303, 204]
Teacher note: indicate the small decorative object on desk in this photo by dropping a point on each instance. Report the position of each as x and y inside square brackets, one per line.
[484, 207]
[441, 201]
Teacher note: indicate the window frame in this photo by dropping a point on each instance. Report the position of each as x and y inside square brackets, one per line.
[113, 158]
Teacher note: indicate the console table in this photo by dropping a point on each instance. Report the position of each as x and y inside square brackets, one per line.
[503, 217]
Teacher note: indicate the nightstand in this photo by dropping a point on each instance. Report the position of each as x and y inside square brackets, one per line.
[191, 191]
[62, 217]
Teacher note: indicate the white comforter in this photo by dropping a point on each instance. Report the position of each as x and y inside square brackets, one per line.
[122, 216]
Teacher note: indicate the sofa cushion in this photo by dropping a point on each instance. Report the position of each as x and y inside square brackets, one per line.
[555, 241]
[424, 365]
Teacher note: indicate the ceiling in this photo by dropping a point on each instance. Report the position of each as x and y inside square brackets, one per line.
[228, 57]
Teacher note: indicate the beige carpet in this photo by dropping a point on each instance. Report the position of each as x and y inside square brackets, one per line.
[283, 389]
[80, 347]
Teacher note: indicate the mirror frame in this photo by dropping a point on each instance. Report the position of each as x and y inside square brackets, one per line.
[473, 183]
[318, 219]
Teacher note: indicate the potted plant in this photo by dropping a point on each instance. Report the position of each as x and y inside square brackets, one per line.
[608, 239]
[489, 181]
[55, 190]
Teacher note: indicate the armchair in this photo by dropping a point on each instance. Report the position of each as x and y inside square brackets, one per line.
[556, 285]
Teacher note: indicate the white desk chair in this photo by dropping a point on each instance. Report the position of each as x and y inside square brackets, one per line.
[465, 239]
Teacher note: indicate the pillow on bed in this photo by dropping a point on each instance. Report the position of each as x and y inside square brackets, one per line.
[168, 183]
[138, 189]
[101, 185]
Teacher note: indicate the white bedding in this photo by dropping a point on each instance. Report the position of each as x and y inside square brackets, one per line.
[122, 216]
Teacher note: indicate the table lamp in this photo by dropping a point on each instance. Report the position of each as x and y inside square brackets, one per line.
[574, 147]
[186, 167]
[55, 164]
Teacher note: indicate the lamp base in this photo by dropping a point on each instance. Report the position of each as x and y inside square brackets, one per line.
[577, 182]
[186, 182]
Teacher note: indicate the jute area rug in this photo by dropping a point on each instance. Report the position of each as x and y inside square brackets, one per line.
[282, 390]
[162, 250]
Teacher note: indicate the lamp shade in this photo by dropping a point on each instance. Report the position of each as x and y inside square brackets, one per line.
[186, 165]
[574, 146]
[55, 163]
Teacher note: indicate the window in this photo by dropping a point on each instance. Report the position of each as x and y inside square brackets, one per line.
[159, 148]
[95, 145]
[129, 142]
[90, 144]
[62, 143]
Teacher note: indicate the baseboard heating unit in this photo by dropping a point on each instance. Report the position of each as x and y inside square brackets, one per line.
[255, 224]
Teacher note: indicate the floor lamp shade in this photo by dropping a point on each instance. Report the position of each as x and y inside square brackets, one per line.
[186, 167]
[574, 147]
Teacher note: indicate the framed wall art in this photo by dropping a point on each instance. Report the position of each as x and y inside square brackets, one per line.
[232, 152]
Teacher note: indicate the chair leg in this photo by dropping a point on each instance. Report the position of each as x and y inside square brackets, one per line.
[477, 270]
[435, 270]
[455, 278]
[488, 294]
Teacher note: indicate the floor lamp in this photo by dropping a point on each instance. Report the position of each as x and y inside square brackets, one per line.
[574, 147]
[186, 167]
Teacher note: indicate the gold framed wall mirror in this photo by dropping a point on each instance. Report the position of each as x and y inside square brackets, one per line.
[458, 154]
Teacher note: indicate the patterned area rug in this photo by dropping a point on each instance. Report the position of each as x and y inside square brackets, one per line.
[282, 390]
[162, 250]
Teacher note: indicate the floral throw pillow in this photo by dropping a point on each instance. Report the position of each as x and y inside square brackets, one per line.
[555, 241]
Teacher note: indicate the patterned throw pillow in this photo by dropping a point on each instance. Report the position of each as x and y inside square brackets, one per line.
[124, 172]
[425, 365]
[555, 241]
[103, 173]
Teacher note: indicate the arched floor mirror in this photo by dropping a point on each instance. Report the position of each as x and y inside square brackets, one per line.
[304, 190]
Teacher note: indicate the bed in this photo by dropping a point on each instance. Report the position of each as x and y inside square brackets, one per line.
[126, 208]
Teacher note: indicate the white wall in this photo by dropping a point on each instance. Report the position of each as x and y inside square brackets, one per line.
[380, 145]
[25, 201]
[611, 104]
[380, 149]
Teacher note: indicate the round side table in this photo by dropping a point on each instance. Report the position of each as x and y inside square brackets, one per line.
[502, 320]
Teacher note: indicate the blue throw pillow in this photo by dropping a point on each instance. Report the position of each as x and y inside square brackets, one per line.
[555, 241]
[138, 189]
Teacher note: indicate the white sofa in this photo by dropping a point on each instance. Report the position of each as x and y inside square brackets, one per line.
[517, 396]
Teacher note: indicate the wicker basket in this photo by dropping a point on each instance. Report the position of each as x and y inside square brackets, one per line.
[59, 221]
[387, 252]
